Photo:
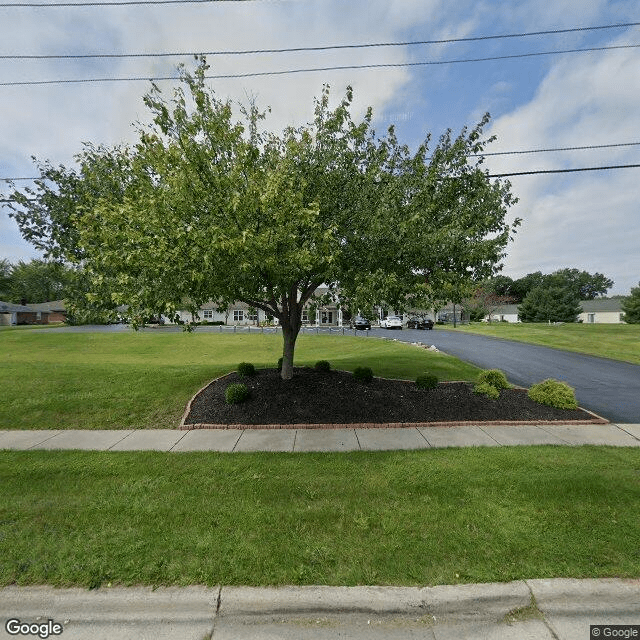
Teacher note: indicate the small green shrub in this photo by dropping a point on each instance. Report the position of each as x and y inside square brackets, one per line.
[236, 393]
[363, 374]
[427, 381]
[486, 389]
[554, 393]
[495, 378]
[246, 369]
[323, 365]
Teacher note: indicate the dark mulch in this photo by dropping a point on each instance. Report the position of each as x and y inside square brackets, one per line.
[312, 397]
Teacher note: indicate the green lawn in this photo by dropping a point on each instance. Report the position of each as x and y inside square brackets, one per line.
[144, 380]
[389, 518]
[616, 341]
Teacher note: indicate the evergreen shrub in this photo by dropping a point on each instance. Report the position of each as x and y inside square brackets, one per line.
[495, 378]
[363, 374]
[486, 389]
[246, 369]
[554, 394]
[427, 381]
[236, 393]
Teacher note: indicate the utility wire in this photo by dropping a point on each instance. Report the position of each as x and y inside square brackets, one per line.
[313, 69]
[530, 173]
[174, 54]
[592, 146]
[46, 5]
[498, 153]
[489, 175]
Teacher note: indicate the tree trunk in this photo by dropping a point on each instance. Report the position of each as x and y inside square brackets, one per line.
[289, 336]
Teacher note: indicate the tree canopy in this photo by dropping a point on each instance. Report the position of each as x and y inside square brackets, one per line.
[550, 304]
[631, 306]
[209, 206]
[585, 285]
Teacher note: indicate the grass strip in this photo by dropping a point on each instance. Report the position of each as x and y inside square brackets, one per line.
[615, 341]
[144, 380]
[389, 518]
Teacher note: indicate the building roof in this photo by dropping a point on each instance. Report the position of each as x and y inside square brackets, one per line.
[9, 307]
[49, 307]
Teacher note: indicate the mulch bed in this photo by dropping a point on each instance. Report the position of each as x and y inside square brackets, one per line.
[336, 398]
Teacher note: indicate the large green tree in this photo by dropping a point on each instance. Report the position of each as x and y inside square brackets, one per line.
[631, 306]
[38, 281]
[208, 205]
[550, 304]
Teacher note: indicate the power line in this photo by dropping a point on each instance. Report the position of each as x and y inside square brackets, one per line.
[492, 175]
[174, 54]
[478, 155]
[315, 69]
[540, 171]
[47, 5]
[592, 146]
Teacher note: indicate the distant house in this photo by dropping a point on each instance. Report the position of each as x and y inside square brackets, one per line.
[13, 314]
[240, 314]
[504, 313]
[598, 311]
[601, 311]
[56, 310]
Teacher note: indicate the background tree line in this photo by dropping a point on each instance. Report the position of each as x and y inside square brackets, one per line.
[34, 281]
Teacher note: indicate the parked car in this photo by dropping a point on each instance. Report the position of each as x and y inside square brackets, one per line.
[360, 323]
[420, 323]
[391, 322]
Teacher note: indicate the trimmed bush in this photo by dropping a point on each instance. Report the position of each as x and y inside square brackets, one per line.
[363, 374]
[427, 381]
[495, 378]
[236, 393]
[486, 389]
[323, 365]
[246, 369]
[554, 394]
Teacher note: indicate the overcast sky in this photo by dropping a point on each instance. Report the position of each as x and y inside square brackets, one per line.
[588, 220]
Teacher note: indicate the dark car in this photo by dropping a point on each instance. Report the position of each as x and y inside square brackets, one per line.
[360, 323]
[420, 323]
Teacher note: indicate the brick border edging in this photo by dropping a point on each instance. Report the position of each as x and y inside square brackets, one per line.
[378, 425]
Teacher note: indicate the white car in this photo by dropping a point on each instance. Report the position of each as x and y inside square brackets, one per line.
[391, 322]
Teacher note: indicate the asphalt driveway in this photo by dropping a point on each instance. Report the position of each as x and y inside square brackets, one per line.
[607, 387]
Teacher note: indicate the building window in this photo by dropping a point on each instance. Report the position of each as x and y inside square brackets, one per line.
[305, 316]
[253, 316]
[238, 315]
[207, 314]
[591, 317]
[327, 317]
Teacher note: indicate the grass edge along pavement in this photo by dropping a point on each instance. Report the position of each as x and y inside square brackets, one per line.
[145, 380]
[613, 341]
[70, 518]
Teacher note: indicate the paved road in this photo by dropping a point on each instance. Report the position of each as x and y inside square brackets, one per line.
[608, 387]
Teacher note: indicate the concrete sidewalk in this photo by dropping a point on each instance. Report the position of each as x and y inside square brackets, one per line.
[295, 440]
[555, 609]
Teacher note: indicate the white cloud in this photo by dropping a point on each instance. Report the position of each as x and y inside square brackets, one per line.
[587, 220]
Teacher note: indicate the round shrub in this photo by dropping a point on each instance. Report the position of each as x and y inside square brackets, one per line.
[323, 365]
[495, 378]
[363, 374]
[246, 369]
[236, 393]
[486, 389]
[554, 393]
[427, 381]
